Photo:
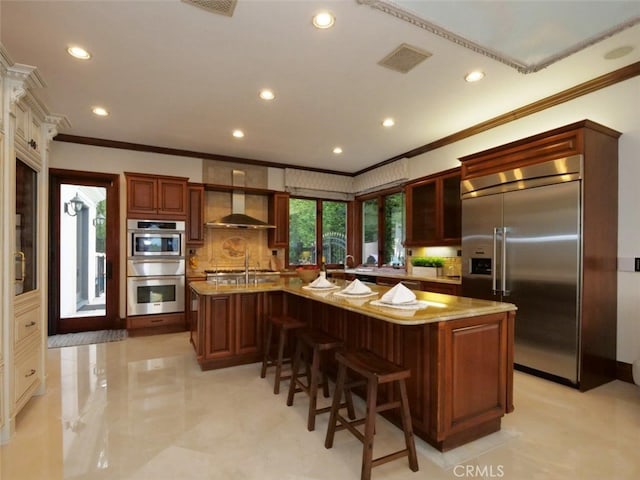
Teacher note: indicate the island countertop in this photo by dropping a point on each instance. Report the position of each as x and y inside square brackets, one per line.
[439, 308]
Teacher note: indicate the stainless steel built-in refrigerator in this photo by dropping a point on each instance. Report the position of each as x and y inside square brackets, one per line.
[522, 244]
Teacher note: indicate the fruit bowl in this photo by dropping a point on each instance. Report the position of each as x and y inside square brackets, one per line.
[307, 275]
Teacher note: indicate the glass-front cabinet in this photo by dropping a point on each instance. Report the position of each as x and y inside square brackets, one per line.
[434, 210]
[25, 130]
[26, 222]
[383, 229]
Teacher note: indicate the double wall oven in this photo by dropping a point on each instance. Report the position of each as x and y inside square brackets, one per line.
[155, 267]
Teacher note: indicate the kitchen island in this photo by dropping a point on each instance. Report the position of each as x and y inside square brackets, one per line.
[459, 350]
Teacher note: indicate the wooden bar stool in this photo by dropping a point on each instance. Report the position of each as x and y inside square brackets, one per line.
[313, 343]
[376, 371]
[285, 324]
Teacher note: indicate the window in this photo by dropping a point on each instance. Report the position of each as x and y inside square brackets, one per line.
[317, 228]
[383, 229]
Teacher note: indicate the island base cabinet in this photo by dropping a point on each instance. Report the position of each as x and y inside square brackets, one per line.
[461, 380]
[474, 370]
[228, 330]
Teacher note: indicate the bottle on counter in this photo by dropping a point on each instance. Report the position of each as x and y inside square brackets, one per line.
[323, 268]
[193, 261]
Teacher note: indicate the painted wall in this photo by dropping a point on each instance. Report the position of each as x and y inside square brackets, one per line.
[612, 107]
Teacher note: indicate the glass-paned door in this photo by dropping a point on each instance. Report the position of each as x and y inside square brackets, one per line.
[393, 229]
[302, 231]
[83, 226]
[334, 231]
[370, 231]
[26, 228]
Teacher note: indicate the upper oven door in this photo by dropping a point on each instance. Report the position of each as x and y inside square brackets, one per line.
[156, 243]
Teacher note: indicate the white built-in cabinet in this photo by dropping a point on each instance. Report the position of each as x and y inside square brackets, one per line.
[26, 129]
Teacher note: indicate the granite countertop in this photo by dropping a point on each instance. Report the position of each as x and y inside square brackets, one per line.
[377, 272]
[397, 273]
[440, 307]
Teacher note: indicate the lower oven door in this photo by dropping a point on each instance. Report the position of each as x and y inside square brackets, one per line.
[151, 295]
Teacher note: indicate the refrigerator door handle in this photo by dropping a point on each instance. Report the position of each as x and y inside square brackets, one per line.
[494, 280]
[505, 292]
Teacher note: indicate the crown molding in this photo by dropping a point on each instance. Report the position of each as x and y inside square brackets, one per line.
[101, 142]
[395, 10]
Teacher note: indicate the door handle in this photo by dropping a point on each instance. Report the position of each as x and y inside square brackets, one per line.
[20, 257]
[494, 281]
[155, 260]
[505, 292]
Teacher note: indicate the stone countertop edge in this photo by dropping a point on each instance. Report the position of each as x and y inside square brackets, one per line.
[290, 273]
[452, 308]
[391, 274]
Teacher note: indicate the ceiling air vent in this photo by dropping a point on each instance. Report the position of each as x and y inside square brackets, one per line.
[223, 7]
[404, 58]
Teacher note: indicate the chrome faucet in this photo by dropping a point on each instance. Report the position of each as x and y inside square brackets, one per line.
[347, 258]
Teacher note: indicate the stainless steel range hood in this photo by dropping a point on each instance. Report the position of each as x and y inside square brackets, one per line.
[237, 218]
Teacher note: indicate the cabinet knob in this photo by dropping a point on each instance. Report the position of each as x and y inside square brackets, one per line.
[33, 144]
[30, 374]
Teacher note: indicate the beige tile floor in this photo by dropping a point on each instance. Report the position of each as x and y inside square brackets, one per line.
[142, 409]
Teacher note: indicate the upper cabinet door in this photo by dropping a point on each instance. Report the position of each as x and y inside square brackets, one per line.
[434, 210]
[422, 212]
[141, 195]
[451, 209]
[195, 216]
[279, 216]
[172, 197]
[153, 196]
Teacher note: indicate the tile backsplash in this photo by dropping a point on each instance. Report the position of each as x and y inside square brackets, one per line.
[224, 248]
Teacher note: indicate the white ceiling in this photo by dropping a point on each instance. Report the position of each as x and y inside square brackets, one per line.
[177, 76]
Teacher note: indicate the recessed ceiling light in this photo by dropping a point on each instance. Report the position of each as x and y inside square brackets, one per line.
[474, 76]
[78, 52]
[618, 52]
[388, 122]
[267, 94]
[100, 111]
[337, 150]
[238, 133]
[324, 20]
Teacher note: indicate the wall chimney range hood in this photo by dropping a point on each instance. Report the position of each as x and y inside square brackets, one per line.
[237, 218]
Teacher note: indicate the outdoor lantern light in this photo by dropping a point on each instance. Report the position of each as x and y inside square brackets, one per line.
[73, 206]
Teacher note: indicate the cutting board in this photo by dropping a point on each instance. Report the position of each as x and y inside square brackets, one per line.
[275, 264]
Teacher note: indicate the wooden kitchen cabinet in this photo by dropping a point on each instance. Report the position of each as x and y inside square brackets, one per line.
[434, 210]
[249, 323]
[28, 131]
[218, 339]
[473, 391]
[156, 197]
[195, 214]
[228, 330]
[279, 216]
